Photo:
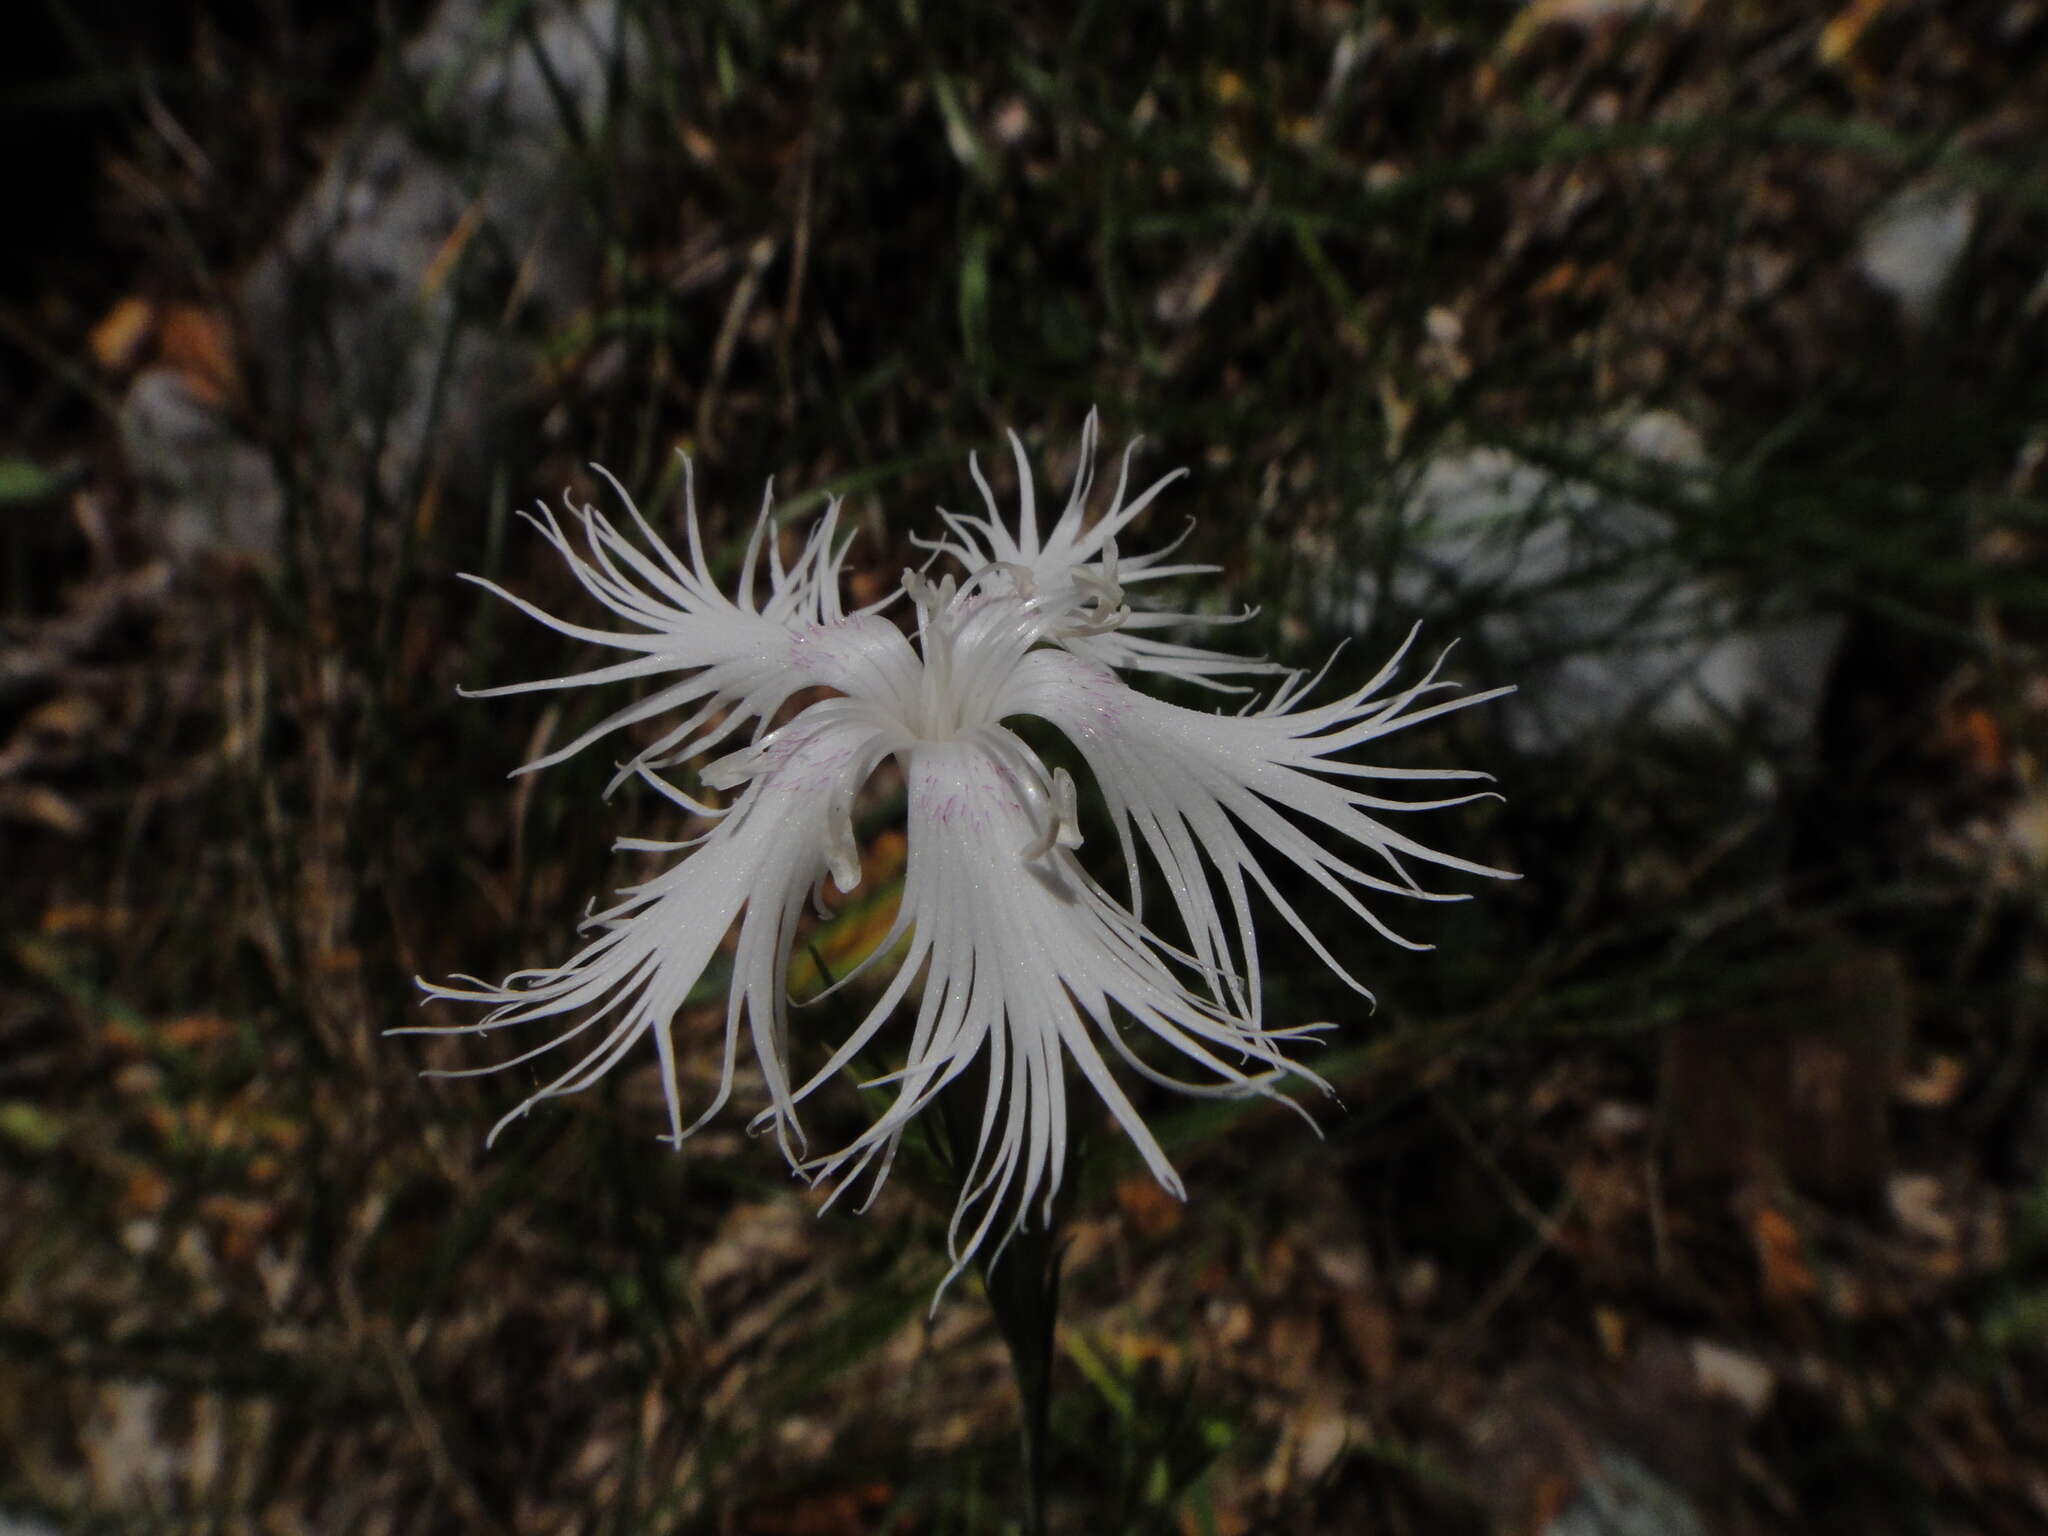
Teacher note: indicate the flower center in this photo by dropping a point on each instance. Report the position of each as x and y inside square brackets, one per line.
[973, 634]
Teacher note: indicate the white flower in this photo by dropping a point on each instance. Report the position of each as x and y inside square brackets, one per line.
[1021, 961]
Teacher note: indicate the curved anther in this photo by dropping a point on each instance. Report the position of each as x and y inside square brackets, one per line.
[1105, 592]
[737, 768]
[1023, 582]
[1062, 822]
[842, 852]
[931, 597]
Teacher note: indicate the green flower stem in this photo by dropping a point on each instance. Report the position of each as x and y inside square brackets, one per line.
[1023, 1287]
[1022, 1283]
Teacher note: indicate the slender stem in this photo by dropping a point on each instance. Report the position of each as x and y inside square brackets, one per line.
[1022, 1283]
[1024, 1293]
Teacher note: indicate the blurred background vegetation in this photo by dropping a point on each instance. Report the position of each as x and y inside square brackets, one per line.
[1684, 357]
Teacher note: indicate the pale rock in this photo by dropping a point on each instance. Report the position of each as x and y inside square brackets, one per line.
[1729, 1373]
[1919, 1207]
[1911, 246]
[361, 315]
[1620, 1496]
[1586, 607]
[1321, 1433]
[208, 490]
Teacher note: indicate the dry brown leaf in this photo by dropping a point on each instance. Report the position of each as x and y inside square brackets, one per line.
[1548, 1499]
[1611, 1328]
[1556, 283]
[83, 920]
[42, 805]
[843, 1512]
[1151, 1211]
[1838, 39]
[199, 346]
[194, 1030]
[64, 718]
[1372, 1335]
[1935, 1086]
[1782, 1269]
[436, 275]
[1974, 733]
[119, 341]
[240, 1224]
[144, 1192]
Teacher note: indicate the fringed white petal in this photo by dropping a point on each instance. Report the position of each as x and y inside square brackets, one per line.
[1200, 790]
[1074, 560]
[1025, 963]
[759, 865]
[743, 657]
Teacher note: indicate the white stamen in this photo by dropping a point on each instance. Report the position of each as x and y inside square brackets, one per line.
[842, 853]
[1062, 818]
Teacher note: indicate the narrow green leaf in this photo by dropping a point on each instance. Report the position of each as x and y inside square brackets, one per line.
[974, 286]
[23, 482]
[29, 1127]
